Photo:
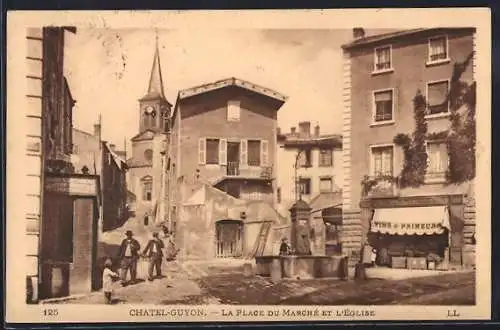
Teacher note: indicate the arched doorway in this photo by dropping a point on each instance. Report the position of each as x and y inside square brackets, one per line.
[229, 238]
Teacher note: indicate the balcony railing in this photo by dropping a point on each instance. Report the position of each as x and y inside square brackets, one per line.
[233, 168]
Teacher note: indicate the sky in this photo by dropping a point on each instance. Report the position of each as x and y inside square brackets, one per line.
[108, 71]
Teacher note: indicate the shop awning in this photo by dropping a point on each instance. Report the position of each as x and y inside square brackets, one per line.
[427, 220]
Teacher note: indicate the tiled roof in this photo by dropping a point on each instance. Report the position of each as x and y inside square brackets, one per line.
[185, 93]
[289, 140]
[327, 200]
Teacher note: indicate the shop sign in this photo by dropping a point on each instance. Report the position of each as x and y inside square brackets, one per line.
[378, 225]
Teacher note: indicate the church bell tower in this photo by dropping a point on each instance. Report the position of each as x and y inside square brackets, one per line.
[154, 109]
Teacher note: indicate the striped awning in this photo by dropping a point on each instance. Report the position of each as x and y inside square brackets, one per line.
[427, 220]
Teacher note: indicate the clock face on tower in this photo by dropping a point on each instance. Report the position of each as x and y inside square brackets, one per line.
[149, 109]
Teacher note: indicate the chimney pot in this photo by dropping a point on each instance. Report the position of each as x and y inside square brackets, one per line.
[316, 130]
[293, 130]
[358, 33]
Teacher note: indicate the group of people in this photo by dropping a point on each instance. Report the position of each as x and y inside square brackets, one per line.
[129, 255]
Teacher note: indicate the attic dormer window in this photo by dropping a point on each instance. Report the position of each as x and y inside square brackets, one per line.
[233, 111]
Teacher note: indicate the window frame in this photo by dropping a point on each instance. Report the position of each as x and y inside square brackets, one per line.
[146, 180]
[299, 186]
[233, 118]
[440, 114]
[446, 44]
[323, 178]
[249, 163]
[374, 107]
[320, 164]
[372, 160]
[430, 177]
[217, 151]
[375, 60]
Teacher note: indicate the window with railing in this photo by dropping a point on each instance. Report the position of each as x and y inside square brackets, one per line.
[438, 49]
[382, 161]
[233, 168]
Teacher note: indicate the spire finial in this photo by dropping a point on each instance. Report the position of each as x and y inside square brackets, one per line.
[156, 38]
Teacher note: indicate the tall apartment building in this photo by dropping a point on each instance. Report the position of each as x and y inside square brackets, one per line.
[385, 78]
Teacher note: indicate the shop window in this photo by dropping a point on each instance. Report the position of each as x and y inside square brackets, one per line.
[383, 58]
[383, 106]
[254, 152]
[382, 161]
[326, 157]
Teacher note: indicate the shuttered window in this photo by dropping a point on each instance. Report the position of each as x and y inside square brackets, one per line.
[254, 152]
[264, 152]
[223, 151]
[212, 151]
[244, 152]
[437, 158]
[202, 151]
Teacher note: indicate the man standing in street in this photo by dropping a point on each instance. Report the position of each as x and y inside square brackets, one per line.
[155, 254]
[129, 255]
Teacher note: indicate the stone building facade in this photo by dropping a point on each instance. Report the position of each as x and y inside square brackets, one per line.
[224, 134]
[61, 206]
[382, 76]
[145, 179]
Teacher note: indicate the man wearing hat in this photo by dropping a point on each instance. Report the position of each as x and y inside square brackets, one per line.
[155, 254]
[129, 255]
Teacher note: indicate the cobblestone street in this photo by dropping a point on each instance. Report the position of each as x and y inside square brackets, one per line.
[219, 284]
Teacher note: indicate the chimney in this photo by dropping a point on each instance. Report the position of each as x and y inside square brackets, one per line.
[358, 33]
[292, 130]
[278, 131]
[97, 131]
[316, 131]
[112, 147]
[305, 129]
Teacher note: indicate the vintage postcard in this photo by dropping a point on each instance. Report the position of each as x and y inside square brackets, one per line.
[282, 165]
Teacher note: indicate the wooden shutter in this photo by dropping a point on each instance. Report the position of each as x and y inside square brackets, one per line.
[264, 153]
[244, 152]
[223, 152]
[202, 151]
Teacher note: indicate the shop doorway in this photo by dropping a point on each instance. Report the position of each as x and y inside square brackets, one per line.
[409, 251]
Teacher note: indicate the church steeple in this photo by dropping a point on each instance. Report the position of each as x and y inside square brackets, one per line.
[154, 109]
[155, 88]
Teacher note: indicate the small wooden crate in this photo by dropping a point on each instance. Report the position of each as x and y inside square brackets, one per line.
[417, 263]
[398, 262]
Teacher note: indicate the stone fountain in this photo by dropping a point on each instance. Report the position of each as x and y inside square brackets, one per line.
[300, 263]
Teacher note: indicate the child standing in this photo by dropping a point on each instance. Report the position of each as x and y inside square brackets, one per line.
[107, 280]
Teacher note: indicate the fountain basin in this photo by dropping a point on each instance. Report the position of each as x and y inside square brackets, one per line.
[301, 267]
